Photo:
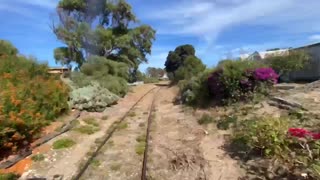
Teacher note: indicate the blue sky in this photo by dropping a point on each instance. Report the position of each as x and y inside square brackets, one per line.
[217, 28]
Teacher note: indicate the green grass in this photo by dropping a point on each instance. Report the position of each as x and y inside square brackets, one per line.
[91, 121]
[141, 138]
[105, 117]
[87, 129]
[63, 143]
[123, 125]
[206, 119]
[38, 157]
[115, 167]
[95, 163]
[140, 147]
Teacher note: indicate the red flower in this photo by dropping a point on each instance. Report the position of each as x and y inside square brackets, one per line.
[299, 132]
[316, 136]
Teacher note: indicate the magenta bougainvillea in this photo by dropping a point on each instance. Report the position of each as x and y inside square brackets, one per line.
[303, 133]
[240, 87]
[266, 74]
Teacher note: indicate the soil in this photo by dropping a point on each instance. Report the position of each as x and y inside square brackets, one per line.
[182, 149]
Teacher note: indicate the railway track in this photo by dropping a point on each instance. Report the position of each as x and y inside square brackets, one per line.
[109, 135]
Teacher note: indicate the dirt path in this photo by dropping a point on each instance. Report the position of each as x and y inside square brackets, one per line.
[121, 158]
[182, 149]
[65, 162]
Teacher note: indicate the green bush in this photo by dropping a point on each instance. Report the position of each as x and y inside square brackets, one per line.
[191, 67]
[195, 91]
[107, 73]
[30, 98]
[265, 136]
[6, 48]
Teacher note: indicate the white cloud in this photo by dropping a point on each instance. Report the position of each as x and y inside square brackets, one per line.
[207, 19]
[315, 37]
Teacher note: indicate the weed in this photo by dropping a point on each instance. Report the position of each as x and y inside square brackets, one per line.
[123, 125]
[145, 112]
[38, 157]
[105, 117]
[91, 121]
[141, 138]
[95, 163]
[132, 114]
[63, 143]
[115, 167]
[224, 124]
[87, 129]
[205, 119]
[140, 147]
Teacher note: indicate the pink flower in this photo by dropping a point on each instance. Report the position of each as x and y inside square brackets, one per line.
[316, 136]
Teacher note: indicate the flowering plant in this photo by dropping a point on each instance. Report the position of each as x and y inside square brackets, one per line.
[266, 74]
[303, 133]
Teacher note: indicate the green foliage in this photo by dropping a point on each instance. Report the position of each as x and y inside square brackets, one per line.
[95, 163]
[195, 91]
[6, 48]
[140, 147]
[9, 176]
[155, 72]
[206, 119]
[101, 28]
[225, 124]
[266, 136]
[141, 138]
[38, 157]
[63, 143]
[176, 58]
[294, 61]
[107, 73]
[191, 67]
[30, 99]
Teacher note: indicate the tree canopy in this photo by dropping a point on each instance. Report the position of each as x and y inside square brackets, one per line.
[182, 63]
[106, 28]
[176, 58]
[155, 72]
[294, 61]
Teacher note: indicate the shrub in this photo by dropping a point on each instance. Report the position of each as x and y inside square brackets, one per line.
[87, 129]
[293, 61]
[195, 91]
[206, 119]
[265, 136]
[107, 73]
[29, 99]
[239, 80]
